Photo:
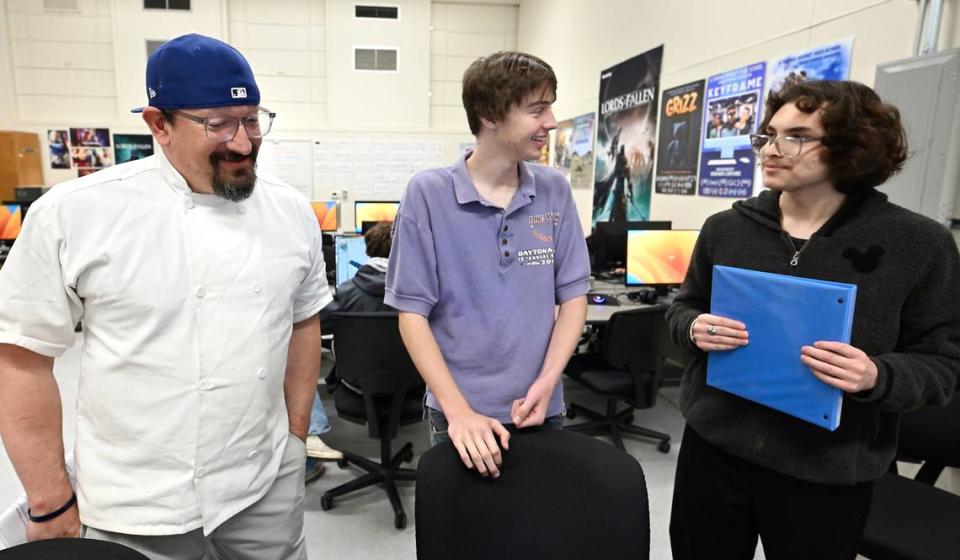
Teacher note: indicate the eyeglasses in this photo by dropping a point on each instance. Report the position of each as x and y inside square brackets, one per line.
[788, 146]
[224, 129]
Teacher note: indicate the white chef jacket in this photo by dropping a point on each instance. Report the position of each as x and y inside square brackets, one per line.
[188, 303]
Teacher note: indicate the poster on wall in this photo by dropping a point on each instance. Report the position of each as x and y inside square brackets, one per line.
[732, 101]
[90, 137]
[128, 147]
[573, 150]
[87, 160]
[626, 139]
[58, 143]
[824, 62]
[680, 117]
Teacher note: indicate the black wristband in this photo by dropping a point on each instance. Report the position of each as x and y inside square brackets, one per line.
[53, 514]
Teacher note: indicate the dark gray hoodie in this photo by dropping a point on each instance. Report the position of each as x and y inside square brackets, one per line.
[907, 319]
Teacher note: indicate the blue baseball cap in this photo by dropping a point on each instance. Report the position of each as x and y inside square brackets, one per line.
[194, 71]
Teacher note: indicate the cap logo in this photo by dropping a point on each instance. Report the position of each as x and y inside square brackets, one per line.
[238, 93]
[152, 92]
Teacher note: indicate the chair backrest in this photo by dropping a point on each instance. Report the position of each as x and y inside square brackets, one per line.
[635, 341]
[75, 549]
[561, 495]
[931, 435]
[372, 358]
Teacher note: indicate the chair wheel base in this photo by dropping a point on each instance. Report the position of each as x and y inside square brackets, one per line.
[400, 520]
[664, 447]
[326, 502]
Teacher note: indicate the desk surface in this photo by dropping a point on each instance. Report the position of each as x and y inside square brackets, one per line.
[600, 314]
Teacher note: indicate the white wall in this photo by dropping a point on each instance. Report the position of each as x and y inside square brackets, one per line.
[379, 99]
[285, 43]
[460, 33]
[701, 38]
[86, 67]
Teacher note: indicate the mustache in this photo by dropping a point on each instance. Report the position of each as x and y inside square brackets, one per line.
[230, 155]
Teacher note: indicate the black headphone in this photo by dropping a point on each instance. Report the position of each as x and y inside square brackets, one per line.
[648, 297]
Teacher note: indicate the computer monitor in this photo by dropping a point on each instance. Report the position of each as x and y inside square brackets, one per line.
[10, 220]
[351, 254]
[327, 215]
[609, 242]
[659, 258]
[370, 211]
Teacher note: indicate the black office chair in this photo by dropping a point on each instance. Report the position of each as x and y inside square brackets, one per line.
[910, 519]
[371, 359]
[561, 496]
[75, 549]
[626, 368]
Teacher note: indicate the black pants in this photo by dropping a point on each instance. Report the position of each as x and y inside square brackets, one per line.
[721, 503]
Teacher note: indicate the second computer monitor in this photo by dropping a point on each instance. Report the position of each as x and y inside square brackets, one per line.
[370, 211]
[609, 242]
[327, 215]
[659, 258]
[350, 254]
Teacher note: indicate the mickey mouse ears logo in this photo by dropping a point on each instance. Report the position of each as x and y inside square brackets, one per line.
[868, 261]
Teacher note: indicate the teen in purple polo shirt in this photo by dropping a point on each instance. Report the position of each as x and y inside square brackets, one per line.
[483, 252]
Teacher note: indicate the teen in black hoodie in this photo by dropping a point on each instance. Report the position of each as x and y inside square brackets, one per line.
[746, 470]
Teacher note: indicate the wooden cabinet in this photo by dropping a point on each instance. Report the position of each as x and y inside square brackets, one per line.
[20, 162]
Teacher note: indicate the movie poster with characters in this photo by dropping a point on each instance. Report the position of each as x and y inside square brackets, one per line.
[679, 140]
[626, 139]
[824, 62]
[573, 150]
[733, 101]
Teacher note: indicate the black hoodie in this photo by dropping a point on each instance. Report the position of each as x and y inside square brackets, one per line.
[907, 271]
[363, 292]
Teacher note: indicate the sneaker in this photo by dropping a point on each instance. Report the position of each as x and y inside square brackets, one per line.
[315, 470]
[319, 450]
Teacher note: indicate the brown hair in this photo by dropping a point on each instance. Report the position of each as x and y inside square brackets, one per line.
[492, 84]
[378, 239]
[864, 139]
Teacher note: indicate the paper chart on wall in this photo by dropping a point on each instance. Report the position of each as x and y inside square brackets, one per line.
[371, 169]
[289, 161]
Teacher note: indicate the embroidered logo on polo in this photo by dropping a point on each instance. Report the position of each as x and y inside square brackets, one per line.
[552, 218]
[535, 257]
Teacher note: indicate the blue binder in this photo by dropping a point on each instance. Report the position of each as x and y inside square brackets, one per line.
[782, 314]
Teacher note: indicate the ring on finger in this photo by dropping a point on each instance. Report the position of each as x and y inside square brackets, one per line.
[712, 330]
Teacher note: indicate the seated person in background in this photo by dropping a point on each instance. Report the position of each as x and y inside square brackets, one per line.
[363, 292]
[317, 450]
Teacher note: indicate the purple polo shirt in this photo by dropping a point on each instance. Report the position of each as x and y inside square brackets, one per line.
[487, 279]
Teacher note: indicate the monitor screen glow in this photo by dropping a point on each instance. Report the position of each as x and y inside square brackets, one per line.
[327, 215]
[10, 221]
[659, 258]
[351, 254]
[374, 212]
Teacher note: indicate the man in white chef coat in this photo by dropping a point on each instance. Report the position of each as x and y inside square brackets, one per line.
[198, 286]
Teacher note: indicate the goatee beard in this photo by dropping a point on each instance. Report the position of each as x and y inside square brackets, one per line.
[234, 187]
